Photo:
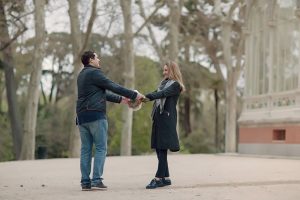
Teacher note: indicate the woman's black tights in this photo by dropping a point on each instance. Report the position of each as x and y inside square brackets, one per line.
[162, 169]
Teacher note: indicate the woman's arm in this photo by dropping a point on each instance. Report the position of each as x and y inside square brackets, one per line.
[172, 90]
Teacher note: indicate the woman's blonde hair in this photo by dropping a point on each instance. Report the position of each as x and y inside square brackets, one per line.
[175, 73]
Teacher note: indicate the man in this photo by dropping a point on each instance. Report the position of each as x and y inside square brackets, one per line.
[91, 116]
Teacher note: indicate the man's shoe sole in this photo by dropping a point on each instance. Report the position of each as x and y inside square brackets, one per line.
[98, 188]
[86, 189]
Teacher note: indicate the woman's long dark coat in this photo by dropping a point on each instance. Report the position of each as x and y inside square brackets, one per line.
[164, 134]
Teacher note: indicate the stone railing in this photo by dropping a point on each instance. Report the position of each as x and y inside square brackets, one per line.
[288, 99]
[276, 108]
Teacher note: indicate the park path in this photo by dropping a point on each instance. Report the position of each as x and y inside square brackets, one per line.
[198, 176]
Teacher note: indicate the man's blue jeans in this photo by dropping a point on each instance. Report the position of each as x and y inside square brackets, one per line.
[93, 133]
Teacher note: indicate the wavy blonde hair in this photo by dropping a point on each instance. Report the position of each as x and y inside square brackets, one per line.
[175, 74]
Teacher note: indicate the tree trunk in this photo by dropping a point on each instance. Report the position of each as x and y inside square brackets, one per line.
[217, 134]
[13, 106]
[232, 77]
[2, 87]
[28, 145]
[10, 84]
[129, 75]
[230, 94]
[231, 120]
[187, 114]
[78, 46]
[74, 139]
[174, 21]
[187, 100]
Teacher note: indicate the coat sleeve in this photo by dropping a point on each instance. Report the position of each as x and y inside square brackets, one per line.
[172, 90]
[102, 81]
[113, 97]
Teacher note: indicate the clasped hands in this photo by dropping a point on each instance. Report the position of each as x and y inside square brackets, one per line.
[137, 103]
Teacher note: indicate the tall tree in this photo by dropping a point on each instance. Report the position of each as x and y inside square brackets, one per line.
[78, 46]
[28, 144]
[147, 23]
[74, 143]
[233, 51]
[174, 23]
[8, 64]
[129, 75]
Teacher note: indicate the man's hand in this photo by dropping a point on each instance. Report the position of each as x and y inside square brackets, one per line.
[125, 100]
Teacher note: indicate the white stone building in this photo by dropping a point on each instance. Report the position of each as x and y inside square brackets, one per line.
[270, 120]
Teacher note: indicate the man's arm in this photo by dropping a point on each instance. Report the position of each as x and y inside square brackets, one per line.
[113, 97]
[102, 81]
[116, 98]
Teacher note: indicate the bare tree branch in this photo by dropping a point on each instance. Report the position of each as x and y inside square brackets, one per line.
[109, 26]
[226, 35]
[232, 8]
[149, 18]
[90, 26]
[17, 18]
[154, 42]
[20, 32]
[241, 44]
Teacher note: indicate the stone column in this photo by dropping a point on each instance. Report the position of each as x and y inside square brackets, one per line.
[271, 25]
[255, 66]
[250, 56]
[247, 60]
[297, 13]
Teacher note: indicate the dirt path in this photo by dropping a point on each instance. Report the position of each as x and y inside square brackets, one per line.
[217, 177]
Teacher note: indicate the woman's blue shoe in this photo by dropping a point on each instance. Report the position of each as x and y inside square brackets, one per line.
[154, 184]
[166, 181]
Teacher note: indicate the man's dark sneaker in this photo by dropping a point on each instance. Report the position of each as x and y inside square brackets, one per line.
[99, 185]
[166, 181]
[154, 184]
[86, 187]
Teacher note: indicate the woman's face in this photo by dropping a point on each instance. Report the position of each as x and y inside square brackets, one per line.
[166, 72]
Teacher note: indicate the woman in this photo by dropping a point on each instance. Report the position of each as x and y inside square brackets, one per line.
[164, 116]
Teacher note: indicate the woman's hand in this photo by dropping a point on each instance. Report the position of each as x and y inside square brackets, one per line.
[145, 100]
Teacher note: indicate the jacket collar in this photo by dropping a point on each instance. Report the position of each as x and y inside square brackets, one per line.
[88, 65]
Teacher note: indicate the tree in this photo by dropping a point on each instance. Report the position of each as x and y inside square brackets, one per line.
[28, 144]
[129, 75]
[56, 50]
[174, 23]
[147, 23]
[74, 143]
[78, 46]
[233, 39]
[8, 64]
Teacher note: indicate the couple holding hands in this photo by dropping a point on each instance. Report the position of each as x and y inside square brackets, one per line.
[94, 89]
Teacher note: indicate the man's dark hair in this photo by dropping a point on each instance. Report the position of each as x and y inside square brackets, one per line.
[85, 58]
